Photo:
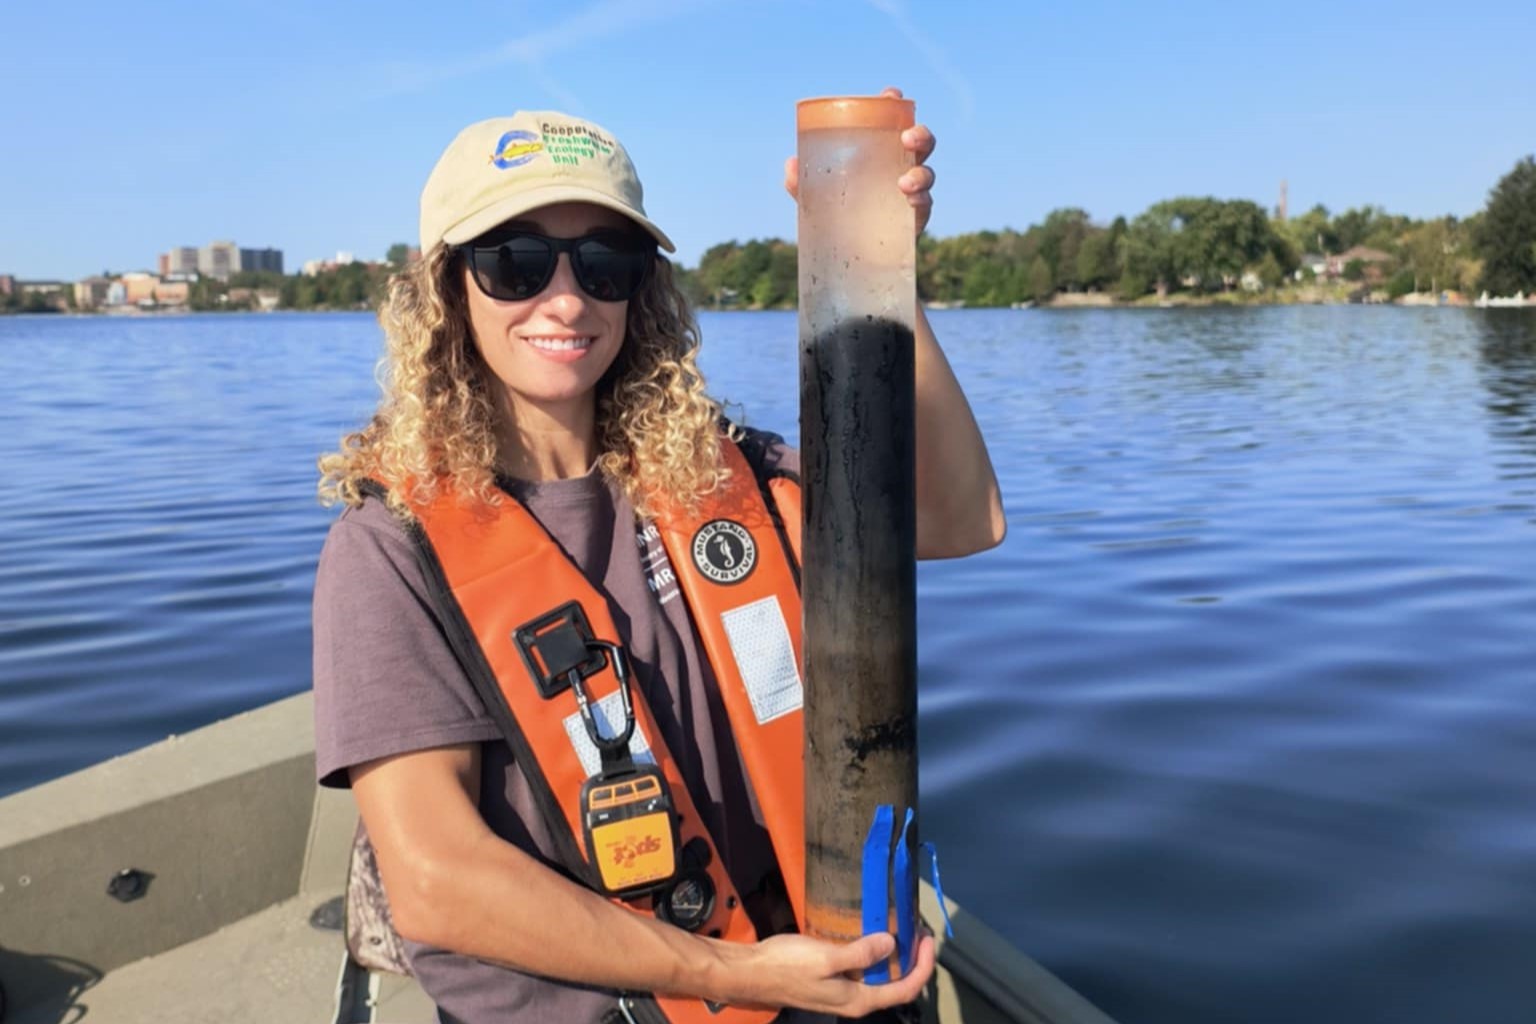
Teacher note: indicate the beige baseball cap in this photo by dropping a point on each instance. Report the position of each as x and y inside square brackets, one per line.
[497, 169]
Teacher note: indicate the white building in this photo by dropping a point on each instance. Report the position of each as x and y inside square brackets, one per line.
[219, 260]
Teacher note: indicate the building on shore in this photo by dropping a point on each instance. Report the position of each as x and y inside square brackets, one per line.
[143, 291]
[1366, 256]
[138, 289]
[263, 299]
[91, 293]
[261, 261]
[37, 295]
[218, 260]
[1313, 261]
[314, 267]
[172, 293]
[7, 284]
[180, 260]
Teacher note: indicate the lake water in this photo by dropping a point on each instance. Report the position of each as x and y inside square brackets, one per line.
[1237, 726]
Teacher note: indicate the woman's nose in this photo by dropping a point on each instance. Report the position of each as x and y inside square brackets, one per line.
[562, 287]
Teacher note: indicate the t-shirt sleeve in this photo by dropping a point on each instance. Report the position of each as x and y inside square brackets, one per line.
[386, 680]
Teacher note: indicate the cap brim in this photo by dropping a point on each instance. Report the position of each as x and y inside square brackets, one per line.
[482, 221]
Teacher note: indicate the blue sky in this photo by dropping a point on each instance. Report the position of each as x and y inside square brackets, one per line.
[311, 127]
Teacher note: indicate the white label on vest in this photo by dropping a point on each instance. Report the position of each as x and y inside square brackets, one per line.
[766, 657]
[609, 713]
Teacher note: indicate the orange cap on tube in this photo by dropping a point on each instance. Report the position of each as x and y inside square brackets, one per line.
[853, 112]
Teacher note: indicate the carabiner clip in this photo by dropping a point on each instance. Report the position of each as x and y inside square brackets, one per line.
[609, 745]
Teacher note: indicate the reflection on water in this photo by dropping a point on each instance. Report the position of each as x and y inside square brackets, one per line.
[1236, 725]
[1508, 345]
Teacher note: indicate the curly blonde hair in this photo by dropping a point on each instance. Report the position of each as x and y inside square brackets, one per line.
[658, 433]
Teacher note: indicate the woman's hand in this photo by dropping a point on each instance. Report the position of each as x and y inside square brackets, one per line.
[824, 977]
[917, 183]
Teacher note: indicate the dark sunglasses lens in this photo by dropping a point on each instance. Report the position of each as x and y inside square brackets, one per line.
[518, 268]
[611, 269]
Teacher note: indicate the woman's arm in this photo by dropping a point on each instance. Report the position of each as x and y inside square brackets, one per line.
[454, 884]
[959, 506]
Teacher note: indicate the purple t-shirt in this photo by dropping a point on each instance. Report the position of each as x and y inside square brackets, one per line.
[387, 682]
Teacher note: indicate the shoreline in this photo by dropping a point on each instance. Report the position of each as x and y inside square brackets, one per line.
[1064, 301]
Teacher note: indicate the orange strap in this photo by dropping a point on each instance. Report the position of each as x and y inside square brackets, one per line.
[748, 617]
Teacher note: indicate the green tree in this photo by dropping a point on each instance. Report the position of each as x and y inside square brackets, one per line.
[256, 279]
[206, 294]
[1354, 270]
[1354, 226]
[1041, 285]
[1147, 253]
[1430, 254]
[1401, 283]
[761, 272]
[987, 283]
[1061, 239]
[347, 287]
[1270, 271]
[398, 255]
[1204, 241]
[778, 285]
[1506, 235]
[1097, 262]
[687, 280]
[1313, 232]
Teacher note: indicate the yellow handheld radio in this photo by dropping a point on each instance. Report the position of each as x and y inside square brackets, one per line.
[629, 823]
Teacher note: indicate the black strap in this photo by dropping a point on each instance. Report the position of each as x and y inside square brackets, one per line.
[754, 448]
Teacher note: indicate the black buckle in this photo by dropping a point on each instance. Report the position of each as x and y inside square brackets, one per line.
[557, 644]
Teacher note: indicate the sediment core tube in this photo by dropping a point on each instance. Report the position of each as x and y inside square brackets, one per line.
[858, 302]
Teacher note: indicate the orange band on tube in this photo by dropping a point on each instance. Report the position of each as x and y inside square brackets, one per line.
[854, 112]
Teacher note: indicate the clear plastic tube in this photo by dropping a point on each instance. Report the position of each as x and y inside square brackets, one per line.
[857, 246]
[858, 302]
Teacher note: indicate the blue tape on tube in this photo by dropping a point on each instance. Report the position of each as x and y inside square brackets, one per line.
[906, 917]
[938, 887]
[876, 895]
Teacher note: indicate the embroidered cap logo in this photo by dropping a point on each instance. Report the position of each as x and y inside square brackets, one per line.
[516, 148]
[724, 551]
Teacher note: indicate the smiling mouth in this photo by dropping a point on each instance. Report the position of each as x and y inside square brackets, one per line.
[561, 344]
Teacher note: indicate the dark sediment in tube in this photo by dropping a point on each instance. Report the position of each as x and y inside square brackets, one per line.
[858, 444]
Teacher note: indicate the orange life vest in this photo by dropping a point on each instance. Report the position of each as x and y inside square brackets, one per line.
[737, 563]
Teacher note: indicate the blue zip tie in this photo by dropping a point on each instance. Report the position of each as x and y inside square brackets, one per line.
[938, 888]
[876, 895]
[906, 885]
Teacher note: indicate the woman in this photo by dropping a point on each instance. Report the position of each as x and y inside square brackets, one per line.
[541, 358]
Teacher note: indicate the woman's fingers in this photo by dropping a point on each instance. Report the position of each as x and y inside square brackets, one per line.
[920, 141]
[862, 953]
[918, 179]
[916, 183]
[905, 989]
[901, 991]
[827, 977]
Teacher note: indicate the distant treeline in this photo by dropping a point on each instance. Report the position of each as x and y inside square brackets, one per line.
[1184, 244]
[349, 286]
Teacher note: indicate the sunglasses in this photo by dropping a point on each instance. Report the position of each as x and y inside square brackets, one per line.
[610, 266]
